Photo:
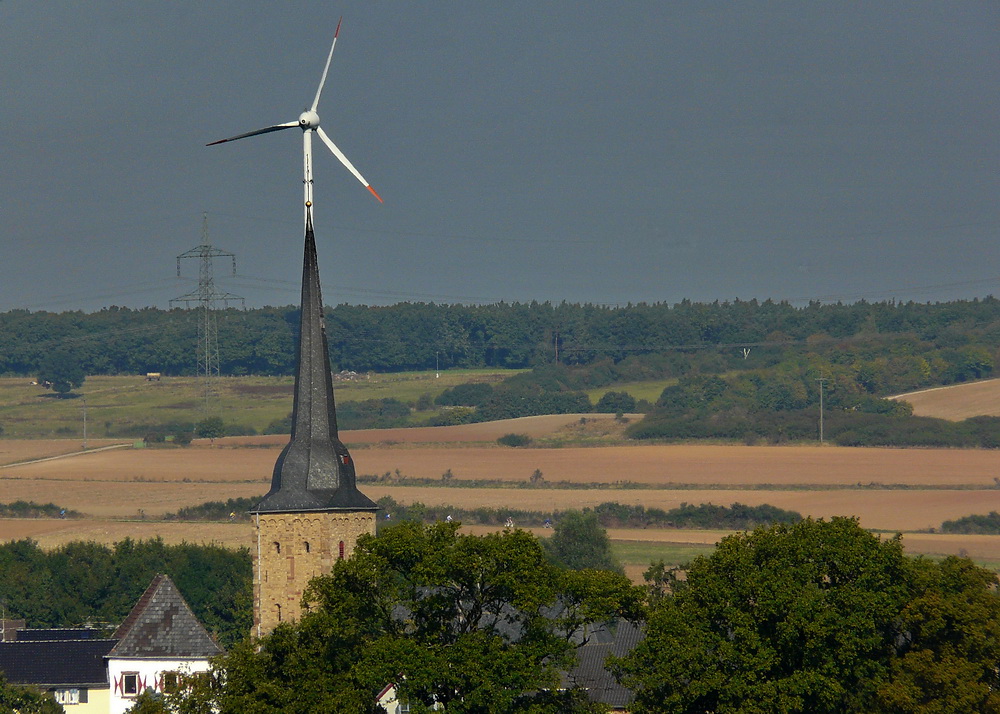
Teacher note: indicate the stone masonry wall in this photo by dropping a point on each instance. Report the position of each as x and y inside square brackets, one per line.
[293, 548]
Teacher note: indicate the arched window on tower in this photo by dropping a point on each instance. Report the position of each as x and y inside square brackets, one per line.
[277, 547]
[306, 546]
[278, 608]
[341, 550]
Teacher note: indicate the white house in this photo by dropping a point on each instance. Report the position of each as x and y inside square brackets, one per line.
[160, 645]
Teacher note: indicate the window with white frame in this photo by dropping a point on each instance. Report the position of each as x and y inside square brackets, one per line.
[67, 696]
[130, 684]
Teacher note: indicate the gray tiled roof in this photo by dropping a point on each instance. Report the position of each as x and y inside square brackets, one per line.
[162, 625]
[590, 672]
[67, 663]
[315, 472]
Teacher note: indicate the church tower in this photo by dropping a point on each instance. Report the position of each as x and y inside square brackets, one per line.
[314, 513]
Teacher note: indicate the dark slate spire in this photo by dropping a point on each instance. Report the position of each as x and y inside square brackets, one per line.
[315, 472]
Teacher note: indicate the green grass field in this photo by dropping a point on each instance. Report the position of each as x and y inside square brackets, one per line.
[634, 552]
[116, 403]
[650, 391]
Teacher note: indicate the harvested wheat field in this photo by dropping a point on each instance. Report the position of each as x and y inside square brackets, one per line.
[668, 466]
[883, 510]
[52, 533]
[956, 402]
[887, 489]
[537, 427]
[14, 451]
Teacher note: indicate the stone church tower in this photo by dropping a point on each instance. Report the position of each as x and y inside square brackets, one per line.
[314, 513]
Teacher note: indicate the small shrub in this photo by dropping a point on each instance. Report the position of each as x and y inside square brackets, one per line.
[514, 440]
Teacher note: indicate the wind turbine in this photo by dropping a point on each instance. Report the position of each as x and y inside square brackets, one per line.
[308, 122]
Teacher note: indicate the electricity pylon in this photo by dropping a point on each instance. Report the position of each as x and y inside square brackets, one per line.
[208, 300]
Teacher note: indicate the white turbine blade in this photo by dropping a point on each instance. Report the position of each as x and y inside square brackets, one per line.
[343, 159]
[329, 57]
[268, 130]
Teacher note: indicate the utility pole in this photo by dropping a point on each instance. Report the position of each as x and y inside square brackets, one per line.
[821, 380]
[207, 298]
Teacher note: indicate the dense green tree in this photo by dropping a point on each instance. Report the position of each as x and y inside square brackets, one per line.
[615, 403]
[579, 542]
[478, 624]
[210, 428]
[62, 369]
[818, 617]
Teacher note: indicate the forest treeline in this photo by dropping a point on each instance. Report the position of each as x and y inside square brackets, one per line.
[87, 583]
[751, 371]
[415, 336]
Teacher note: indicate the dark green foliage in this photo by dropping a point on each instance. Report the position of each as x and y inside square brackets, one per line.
[746, 371]
[280, 426]
[514, 440]
[235, 509]
[925, 343]
[476, 624]
[30, 509]
[615, 403]
[372, 414]
[210, 428]
[580, 542]
[62, 369]
[453, 416]
[705, 516]
[510, 402]
[608, 515]
[465, 395]
[87, 582]
[974, 525]
[818, 617]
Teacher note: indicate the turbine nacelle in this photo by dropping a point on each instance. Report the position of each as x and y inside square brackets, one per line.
[308, 122]
[309, 119]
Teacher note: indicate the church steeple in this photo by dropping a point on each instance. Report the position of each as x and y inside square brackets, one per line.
[314, 514]
[315, 471]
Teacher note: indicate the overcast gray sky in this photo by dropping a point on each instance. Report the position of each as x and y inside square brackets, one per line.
[599, 152]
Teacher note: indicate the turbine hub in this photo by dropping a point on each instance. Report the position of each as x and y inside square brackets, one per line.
[309, 120]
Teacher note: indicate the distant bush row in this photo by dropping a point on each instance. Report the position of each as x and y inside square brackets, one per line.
[30, 509]
[844, 428]
[609, 515]
[236, 509]
[974, 525]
